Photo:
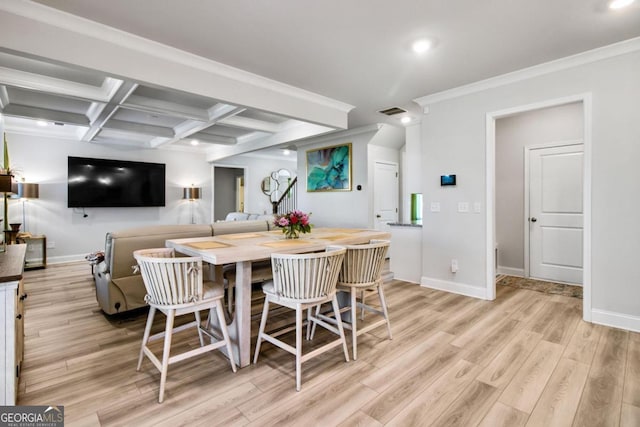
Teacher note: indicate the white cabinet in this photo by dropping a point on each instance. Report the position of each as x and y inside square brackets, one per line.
[12, 297]
[405, 253]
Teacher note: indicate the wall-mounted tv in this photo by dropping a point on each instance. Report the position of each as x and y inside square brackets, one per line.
[101, 183]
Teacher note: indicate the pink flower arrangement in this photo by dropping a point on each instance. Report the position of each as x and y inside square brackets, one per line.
[293, 223]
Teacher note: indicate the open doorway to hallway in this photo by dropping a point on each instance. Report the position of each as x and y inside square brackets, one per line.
[228, 191]
[493, 252]
[539, 193]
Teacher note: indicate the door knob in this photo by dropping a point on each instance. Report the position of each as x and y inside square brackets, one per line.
[533, 219]
[378, 216]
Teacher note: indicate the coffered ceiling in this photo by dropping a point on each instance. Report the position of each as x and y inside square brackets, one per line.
[44, 98]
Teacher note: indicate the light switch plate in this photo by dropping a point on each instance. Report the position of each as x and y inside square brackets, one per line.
[477, 207]
[463, 207]
[435, 206]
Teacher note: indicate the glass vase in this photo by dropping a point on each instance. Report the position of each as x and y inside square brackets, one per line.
[291, 233]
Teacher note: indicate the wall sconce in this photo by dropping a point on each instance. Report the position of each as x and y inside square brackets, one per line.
[192, 194]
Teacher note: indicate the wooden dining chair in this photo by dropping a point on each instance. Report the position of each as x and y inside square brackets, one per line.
[361, 271]
[175, 287]
[301, 282]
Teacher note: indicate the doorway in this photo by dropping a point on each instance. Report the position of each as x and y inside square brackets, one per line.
[493, 180]
[228, 191]
[385, 197]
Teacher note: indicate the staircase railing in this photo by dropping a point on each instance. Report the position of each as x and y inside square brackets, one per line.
[289, 199]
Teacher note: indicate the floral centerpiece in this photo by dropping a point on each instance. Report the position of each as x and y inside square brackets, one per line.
[293, 223]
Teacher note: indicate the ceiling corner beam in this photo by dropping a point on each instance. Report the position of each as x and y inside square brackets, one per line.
[189, 127]
[103, 112]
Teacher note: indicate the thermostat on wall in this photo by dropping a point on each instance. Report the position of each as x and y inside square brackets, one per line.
[447, 180]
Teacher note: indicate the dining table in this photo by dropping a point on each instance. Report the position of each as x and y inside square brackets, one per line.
[242, 249]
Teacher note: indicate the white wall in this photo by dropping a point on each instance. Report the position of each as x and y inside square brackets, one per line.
[454, 140]
[513, 134]
[44, 160]
[411, 170]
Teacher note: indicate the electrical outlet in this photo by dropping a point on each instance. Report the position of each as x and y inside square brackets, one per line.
[51, 244]
[435, 206]
[454, 265]
[477, 207]
[463, 207]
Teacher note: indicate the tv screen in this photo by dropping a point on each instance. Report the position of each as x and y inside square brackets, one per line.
[101, 183]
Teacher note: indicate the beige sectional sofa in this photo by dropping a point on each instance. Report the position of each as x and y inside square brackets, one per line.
[118, 289]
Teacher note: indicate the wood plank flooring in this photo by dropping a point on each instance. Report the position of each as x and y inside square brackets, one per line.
[525, 359]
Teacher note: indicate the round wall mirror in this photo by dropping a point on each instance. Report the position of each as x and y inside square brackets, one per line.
[276, 183]
[269, 185]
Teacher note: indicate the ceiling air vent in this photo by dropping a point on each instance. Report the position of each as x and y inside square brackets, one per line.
[392, 111]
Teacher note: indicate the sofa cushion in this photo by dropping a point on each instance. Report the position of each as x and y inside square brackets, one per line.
[121, 244]
[237, 216]
[132, 287]
[232, 227]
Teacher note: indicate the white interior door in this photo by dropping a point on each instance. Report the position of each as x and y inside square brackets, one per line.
[555, 213]
[385, 194]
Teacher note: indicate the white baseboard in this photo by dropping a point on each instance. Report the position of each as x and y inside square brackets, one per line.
[65, 259]
[456, 288]
[616, 320]
[518, 272]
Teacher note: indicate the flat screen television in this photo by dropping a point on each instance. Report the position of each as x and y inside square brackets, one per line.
[102, 183]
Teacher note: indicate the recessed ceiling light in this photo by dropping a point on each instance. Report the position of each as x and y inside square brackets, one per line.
[405, 120]
[619, 4]
[41, 123]
[286, 152]
[421, 46]
[195, 142]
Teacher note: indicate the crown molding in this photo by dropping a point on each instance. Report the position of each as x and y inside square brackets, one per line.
[605, 52]
[80, 25]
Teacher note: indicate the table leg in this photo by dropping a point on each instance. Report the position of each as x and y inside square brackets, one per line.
[242, 317]
[240, 325]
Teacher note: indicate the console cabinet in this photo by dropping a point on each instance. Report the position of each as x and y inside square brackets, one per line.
[12, 297]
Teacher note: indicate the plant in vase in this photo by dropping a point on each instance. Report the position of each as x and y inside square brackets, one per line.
[293, 223]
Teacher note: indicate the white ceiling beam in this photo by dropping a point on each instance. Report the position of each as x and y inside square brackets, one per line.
[252, 136]
[37, 82]
[189, 127]
[290, 134]
[214, 139]
[252, 124]
[45, 114]
[4, 97]
[100, 113]
[140, 128]
[121, 141]
[167, 108]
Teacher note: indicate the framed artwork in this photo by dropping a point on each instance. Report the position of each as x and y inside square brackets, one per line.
[329, 168]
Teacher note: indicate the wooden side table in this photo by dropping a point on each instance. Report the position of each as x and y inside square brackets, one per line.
[36, 251]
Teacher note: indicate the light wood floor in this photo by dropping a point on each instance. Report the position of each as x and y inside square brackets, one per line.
[524, 359]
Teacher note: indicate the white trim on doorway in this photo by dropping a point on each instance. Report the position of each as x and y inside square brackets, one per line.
[585, 99]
